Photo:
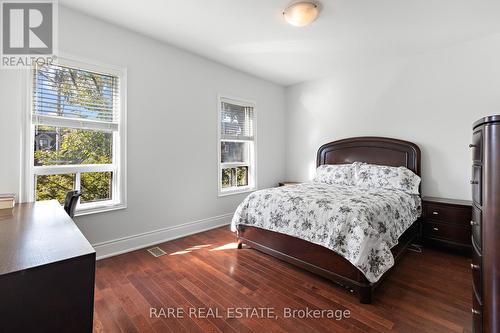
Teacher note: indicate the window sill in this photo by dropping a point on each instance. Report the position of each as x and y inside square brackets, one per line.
[99, 209]
[236, 191]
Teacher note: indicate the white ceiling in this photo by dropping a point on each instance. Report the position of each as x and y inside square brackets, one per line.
[252, 36]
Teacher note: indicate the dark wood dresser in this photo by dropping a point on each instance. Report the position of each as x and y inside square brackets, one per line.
[485, 182]
[446, 223]
[47, 270]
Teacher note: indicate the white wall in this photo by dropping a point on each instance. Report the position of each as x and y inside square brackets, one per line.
[172, 126]
[431, 99]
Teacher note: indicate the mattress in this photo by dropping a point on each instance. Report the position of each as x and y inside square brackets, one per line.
[360, 224]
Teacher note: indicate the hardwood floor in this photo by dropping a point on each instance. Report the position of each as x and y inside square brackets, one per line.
[427, 292]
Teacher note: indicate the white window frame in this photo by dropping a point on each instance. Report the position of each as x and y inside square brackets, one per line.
[119, 165]
[252, 164]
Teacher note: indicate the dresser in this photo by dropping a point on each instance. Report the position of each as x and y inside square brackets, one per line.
[47, 270]
[485, 222]
[446, 223]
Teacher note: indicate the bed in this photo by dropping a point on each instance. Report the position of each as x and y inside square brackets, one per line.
[327, 256]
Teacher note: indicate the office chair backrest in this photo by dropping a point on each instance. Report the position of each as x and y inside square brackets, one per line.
[71, 201]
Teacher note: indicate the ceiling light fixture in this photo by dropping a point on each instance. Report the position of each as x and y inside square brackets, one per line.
[301, 13]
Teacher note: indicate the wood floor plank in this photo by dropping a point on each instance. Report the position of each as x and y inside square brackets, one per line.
[276, 291]
[427, 292]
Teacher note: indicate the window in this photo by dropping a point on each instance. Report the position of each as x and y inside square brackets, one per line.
[76, 135]
[236, 146]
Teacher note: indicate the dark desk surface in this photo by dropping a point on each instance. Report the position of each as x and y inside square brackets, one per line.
[36, 234]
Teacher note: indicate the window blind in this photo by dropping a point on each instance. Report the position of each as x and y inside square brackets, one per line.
[71, 97]
[237, 121]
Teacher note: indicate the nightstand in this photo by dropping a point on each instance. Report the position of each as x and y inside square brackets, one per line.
[446, 223]
[287, 183]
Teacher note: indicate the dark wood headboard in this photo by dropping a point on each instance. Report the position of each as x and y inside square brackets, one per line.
[374, 150]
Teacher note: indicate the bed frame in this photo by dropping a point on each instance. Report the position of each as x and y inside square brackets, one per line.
[321, 260]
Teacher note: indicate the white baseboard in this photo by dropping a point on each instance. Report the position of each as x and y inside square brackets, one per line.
[139, 241]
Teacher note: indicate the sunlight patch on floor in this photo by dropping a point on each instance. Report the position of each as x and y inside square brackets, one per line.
[197, 247]
[228, 246]
[179, 252]
[191, 249]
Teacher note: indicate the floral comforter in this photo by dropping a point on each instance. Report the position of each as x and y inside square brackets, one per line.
[362, 225]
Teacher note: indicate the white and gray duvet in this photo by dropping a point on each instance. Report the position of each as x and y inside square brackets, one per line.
[360, 224]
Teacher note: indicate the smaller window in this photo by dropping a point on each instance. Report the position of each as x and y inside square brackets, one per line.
[236, 146]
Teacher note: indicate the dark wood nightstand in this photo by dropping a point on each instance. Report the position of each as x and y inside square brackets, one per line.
[446, 223]
[287, 183]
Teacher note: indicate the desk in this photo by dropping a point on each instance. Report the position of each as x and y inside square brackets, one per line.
[47, 271]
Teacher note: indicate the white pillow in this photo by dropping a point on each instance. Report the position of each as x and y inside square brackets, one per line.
[340, 174]
[399, 178]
